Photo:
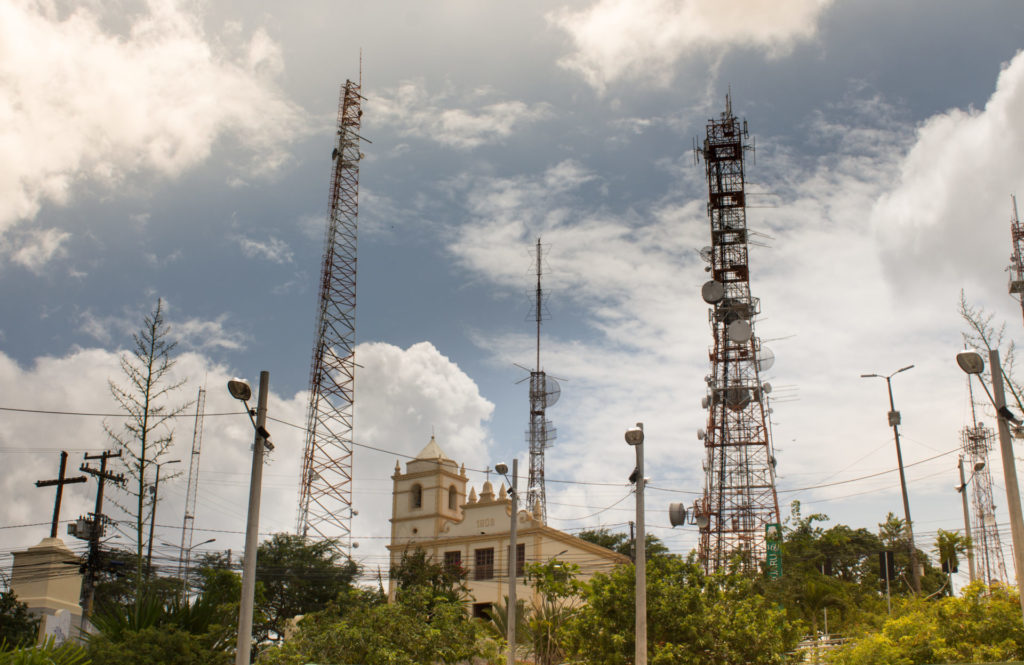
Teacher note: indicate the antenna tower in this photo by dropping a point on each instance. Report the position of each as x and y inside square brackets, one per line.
[739, 488]
[978, 440]
[192, 492]
[325, 495]
[544, 392]
[1017, 259]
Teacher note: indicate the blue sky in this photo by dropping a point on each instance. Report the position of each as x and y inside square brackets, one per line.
[182, 150]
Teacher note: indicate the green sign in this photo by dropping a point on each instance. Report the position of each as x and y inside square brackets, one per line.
[773, 559]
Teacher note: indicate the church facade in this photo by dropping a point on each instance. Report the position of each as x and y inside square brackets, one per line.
[432, 511]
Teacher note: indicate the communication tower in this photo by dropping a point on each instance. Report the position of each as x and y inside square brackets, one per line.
[325, 494]
[544, 392]
[978, 441]
[739, 489]
[192, 490]
[1017, 259]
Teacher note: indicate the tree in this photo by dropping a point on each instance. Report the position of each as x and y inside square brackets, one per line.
[417, 571]
[559, 591]
[983, 334]
[298, 577]
[621, 543]
[147, 432]
[17, 626]
[949, 545]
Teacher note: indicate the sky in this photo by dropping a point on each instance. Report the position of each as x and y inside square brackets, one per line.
[181, 151]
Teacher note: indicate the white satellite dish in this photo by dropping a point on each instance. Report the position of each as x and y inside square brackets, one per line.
[705, 253]
[713, 291]
[552, 391]
[765, 359]
[704, 402]
[676, 514]
[740, 331]
[700, 435]
[766, 388]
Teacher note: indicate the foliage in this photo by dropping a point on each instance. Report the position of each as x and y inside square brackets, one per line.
[298, 577]
[117, 576]
[418, 628]
[165, 645]
[982, 626]
[417, 571]
[949, 545]
[17, 626]
[559, 591]
[692, 618]
[47, 653]
[983, 334]
[147, 433]
[621, 543]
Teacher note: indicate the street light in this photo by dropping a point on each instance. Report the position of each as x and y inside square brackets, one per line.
[635, 438]
[894, 420]
[510, 610]
[962, 489]
[971, 362]
[240, 390]
[188, 557]
[154, 489]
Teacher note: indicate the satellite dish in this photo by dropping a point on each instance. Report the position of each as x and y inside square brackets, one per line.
[703, 522]
[676, 514]
[552, 391]
[740, 331]
[705, 253]
[765, 359]
[704, 402]
[712, 291]
[766, 388]
[700, 435]
[737, 398]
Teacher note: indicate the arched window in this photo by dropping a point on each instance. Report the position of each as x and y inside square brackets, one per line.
[416, 498]
[453, 498]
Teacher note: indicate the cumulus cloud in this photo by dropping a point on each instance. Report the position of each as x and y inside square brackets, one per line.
[82, 103]
[33, 248]
[458, 123]
[273, 249]
[645, 39]
[951, 198]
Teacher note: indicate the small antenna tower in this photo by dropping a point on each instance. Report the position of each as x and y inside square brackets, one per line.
[978, 441]
[544, 392]
[739, 490]
[325, 494]
[1017, 258]
[192, 491]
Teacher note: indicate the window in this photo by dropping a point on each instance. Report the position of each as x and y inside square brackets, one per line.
[416, 496]
[520, 558]
[484, 568]
[453, 498]
[453, 560]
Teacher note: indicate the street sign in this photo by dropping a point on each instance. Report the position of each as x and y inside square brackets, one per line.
[773, 559]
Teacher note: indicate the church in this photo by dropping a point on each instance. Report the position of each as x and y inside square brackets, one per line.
[432, 511]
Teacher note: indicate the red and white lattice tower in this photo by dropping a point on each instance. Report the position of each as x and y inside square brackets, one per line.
[739, 488]
[325, 495]
[1017, 258]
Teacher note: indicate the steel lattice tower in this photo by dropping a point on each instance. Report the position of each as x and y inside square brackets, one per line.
[544, 392]
[739, 489]
[192, 491]
[1017, 258]
[325, 496]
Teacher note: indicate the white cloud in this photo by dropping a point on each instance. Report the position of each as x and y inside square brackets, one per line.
[32, 248]
[202, 334]
[273, 249]
[422, 115]
[951, 198]
[645, 39]
[79, 102]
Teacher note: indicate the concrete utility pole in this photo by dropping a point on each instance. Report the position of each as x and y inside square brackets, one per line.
[96, 525]
[513, 566]
[155, 488]
[967, 518]
[245, 607]
[635, 438]
[60, 482]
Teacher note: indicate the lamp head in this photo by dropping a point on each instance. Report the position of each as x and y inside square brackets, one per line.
[240, 389]
[970, 361]
[978, 466]
[501, 468]
[635, 435]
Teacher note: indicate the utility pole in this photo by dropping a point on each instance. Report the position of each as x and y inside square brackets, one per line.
[97, 522]
[60, 482]
[635, 438]
[152, 516]
[967, 518]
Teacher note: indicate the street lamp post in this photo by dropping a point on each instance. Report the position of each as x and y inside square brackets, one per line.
[635, 438]
[240, 390]
[962, 489]
[188, 557]
[155, 488]
[971, 362]
[513, 566]
[894, 420]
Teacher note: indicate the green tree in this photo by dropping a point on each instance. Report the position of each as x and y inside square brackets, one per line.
[147, 432]
[297, 577]
[164, 645]
[621, 543]
[949, 545]
[47, 653]
[417, 571]
[17, 626]
[556, 585]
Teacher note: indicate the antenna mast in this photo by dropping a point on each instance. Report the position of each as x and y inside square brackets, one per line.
[192, 492]
[325, 495]
[739, 490]
[1017, 258]
[544, 392]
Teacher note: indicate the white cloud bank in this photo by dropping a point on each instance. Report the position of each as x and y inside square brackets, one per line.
[79, 103]
[644, 39]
